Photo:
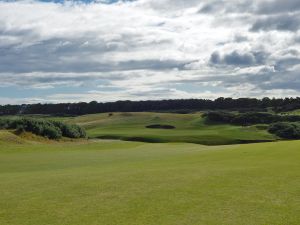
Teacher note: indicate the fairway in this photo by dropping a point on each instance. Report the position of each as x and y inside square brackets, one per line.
[130, 183]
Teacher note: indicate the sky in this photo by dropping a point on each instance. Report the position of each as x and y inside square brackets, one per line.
[109, 50]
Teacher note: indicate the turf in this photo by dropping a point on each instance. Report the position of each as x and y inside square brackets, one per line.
[130, 183]
[190, 128]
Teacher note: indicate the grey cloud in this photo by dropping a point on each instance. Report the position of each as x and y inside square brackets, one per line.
[16, 32]
[286, 63]
[292, 51]
[212, 7]
[171, 5]
[218, 6]
[279, 22]
[54, 55]
[278, 6]
[81, 65]
[215, 58]
[266, 80]
[240, 38]
[286, 80]
[153, 92]
[259, 15]
[76, 55]
[152, 64]
[66, 79]
[297, 39]
[236, 58]
[251, 6]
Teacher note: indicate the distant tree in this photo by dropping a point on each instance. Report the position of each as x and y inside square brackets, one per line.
[249, 118]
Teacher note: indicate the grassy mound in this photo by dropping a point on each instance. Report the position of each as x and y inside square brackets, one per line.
[9, 137]
[16, 137]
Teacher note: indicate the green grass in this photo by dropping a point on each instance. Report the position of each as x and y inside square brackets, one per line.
[190, 128]
[130, 183]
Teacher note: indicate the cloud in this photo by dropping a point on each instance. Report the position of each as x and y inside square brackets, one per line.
[286, 63]
[278, 6]
[236, 58]
[265, 15]
[221, 6]
[266, 7]
[278, 22]
[147, 49]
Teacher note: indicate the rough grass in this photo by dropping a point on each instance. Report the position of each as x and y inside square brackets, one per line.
[129, 183]
[190, 128]
[9, 137]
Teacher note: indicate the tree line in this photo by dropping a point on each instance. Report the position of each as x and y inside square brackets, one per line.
[249, 118]
[176, 105]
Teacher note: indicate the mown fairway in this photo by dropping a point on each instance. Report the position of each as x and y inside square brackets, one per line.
[190, 128]
[129, 183]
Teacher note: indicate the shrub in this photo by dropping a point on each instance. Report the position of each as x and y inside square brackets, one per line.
[292, 118]
[255, 118]
[4, 123]
[220, 117]
[20, 129]
[82, 132]
[71, 130]
[46, 128]
[285, 130]
[51, 132]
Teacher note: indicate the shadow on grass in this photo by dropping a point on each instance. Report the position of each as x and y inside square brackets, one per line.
[205, 141]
